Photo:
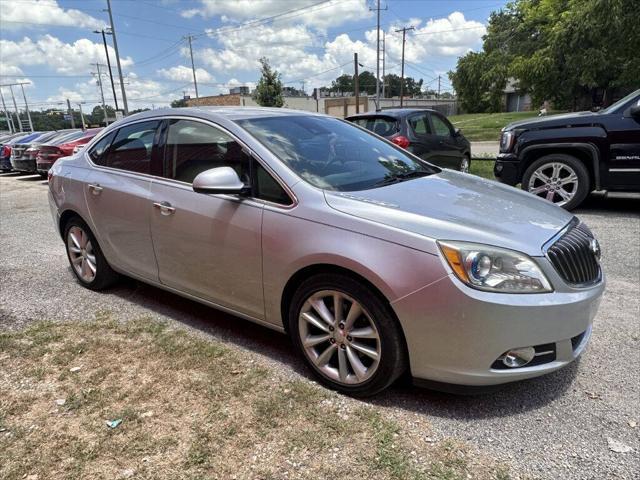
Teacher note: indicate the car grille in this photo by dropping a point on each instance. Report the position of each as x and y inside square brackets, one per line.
[574, 258]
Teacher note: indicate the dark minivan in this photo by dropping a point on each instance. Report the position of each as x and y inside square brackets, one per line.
[425, 133]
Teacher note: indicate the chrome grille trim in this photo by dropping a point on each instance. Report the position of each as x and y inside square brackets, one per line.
[571, 255]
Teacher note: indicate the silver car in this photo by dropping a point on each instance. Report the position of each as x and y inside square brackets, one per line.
[373, 261]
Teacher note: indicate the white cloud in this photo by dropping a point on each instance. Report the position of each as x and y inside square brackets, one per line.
[65, 58]
[331, 14]
[183, 73]
[21, 15]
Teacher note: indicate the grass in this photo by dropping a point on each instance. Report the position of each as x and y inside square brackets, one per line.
[483, 168]
[486, 126]
[192, 408]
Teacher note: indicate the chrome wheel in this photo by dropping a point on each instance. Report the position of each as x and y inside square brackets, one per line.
[81, 254]
[339, 337]
[464, 165]
[556, 182]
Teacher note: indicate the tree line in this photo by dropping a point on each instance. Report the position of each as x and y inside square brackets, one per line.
[577, 54]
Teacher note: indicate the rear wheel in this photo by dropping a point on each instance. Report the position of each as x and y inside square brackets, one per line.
[86, 258]
[558, 178]
[346, 334]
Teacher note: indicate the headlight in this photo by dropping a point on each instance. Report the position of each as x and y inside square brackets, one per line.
[494, 269]
[506, 140]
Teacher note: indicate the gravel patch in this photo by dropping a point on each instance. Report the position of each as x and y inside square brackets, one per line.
[578, 423]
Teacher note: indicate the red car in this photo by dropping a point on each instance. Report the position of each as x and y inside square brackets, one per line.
[48, 154]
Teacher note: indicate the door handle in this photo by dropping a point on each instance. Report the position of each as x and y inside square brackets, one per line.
[164, 207]
[95, 188]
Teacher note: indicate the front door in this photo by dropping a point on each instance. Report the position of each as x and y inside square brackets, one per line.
[623, 166]
[206, 245]
[117, 193]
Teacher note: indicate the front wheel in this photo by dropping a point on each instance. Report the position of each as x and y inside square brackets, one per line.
[558, 178]
[465, 164]
[347, 335]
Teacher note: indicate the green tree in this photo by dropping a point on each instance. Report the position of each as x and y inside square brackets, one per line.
[269, 89]
[179, 103]
[573, 52]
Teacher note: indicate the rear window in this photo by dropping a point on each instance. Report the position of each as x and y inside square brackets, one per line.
[383, 126]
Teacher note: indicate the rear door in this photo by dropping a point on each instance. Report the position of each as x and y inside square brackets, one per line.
[448, 151]
[424, 143]
[207, 245]
[623, 164]
[117, 192]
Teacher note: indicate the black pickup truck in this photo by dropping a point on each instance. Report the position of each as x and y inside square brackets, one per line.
[565, 157]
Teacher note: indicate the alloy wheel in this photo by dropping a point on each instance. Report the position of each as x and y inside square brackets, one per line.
[556, 182]
[81, 254]
[464, 165]
[339, 337]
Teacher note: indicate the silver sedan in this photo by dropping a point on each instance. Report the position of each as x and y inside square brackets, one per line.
[373, 261]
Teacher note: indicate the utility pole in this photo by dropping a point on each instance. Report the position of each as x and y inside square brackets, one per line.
[378, 53]
[438, 87]
[106, 52]
[356, 81]
[193, 67]
[6, 114]
[16, 107]
[26, 107]
[70, 112]
[384, 58]
[81, 115]
[115, 47]
[104, 107]
[404, 38]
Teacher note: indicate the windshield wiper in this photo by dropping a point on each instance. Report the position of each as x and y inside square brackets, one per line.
[400, 177]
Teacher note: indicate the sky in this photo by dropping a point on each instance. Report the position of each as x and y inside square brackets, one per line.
[51, 44]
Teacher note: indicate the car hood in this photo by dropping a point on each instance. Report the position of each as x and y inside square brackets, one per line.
[455, 206]
[560, 120]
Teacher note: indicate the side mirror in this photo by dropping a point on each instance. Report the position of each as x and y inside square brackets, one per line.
[635, 111]
[456, 132]
[219, 180]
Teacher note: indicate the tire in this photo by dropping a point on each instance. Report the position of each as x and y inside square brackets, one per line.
[376, 319]
[466, 160]
[567, 169]
[81, 250]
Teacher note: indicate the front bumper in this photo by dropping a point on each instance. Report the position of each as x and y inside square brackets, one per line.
[44, 166]
[24, 165]
[455, 334]
[507, 169]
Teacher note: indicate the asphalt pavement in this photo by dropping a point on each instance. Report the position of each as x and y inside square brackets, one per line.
[572, 424]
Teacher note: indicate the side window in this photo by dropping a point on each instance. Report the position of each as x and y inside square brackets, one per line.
[132, 146]
[267, 188]
[193, 147]
[97, 151]
[420, 124]
[440, 127]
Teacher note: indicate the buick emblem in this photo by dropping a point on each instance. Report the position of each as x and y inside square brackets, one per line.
[594, 246]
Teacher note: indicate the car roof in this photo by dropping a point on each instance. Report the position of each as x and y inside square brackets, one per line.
[229, 113]
[392, 112]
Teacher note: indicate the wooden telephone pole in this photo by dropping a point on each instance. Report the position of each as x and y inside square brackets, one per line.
[404, 38]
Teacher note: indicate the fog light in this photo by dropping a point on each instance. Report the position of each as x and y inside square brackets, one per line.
[518, 357]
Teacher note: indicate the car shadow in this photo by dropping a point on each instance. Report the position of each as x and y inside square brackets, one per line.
[618, 202]
[503, 401]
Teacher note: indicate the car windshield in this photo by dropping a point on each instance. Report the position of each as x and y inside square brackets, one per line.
[334, 155]
[613, 108]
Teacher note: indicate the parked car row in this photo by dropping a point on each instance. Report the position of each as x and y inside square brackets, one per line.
[36, 152]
